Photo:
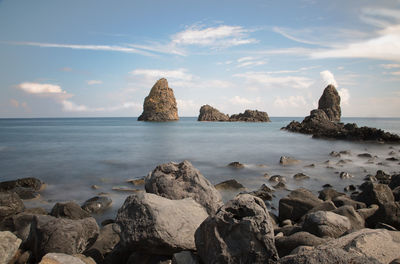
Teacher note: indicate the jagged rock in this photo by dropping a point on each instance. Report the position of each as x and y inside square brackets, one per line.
[209, 113]
[264, 193]
[323, 223]
[288, 160]
[61, 235]
[157, 225]
[105, 243]
[160, 104]
[97, 204]
[229, 185]
[286, 244]
[330, 103]
[178, 181]
[10, 204]
[250, 116]
[240, 232]
[350, 188]
[69, 210]
[297, 204]
[9, 245]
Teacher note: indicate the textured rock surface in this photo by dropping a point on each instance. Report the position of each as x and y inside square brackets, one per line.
[185, 257]
[9, 245]
[177, 181]
[32, 183]
[105, 243]
[229, 185]
[250, 116]
[69, 210]
[356, 220]
[60, 258]
[97, 204]
[286, 244]
[326, 224]
[240, 232]
[209, 113]
[10, 204]
[157, 225]
[330, 103]
[284, 160]
[60, 235]
[160, 104]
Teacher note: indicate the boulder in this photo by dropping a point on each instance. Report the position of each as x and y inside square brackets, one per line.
[345, 200]
[286, 244]
[9, 245]
[326, 224]
[146, 223]
[297, 204]
[32, 183]
[357, 222]
[160, 104]
[69, 210]
[105, 243]
[97, 204]
[61, 258]
[61, 235]
[185, 257]
[264, 193]
[240, 232]
[209, 113]
[330, 103]
[229, 185]
[288, 161]
[395, 181]
[10, 204]
[277, 178]
[375, 193]
[177, 181]
[250, 116]
[301, 176]
[396, 193]
[236, 165]
[329, 194]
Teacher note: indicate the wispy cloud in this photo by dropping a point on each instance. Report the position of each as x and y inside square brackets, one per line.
[268, 80]
[291, 101]
[177, 74]
[328, 78]
[390, 66]
[94, 82]
[287, 35]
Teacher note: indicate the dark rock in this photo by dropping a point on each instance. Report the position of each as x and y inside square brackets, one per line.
[288, 230]
[286, 244]
[385, 226]
[395, 181]
[297, 204]
[288, 160]
[26, 193]
[375, 193]
[327, 186]
[329, 194]
[301, 176]
[177, 181]
[240, 232]
[350, 188]
[160, 104]
[277, 178]
[236, 165]
[97, 204]
[143, 258]
[105, 243]
[9, 245]
[345, 175]
[396, 193]
[325, 223]
[119, 254]
[208, 113]
[383, 177]
[250, 116]
[356, 220]
[229, 185]
[69, 210]
[146, 226]
[10, 204]
[324, 206]
[280, 185]
[32, 183]
[335, 154]
[185, 257]
[330, 103]
[364, 155]
[370, 178]
[107, 222]
[264, 193]
[392, 159]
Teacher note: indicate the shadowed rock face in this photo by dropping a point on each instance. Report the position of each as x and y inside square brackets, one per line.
[330, 103]
[250, 116]
[209, 113]
[160, 104]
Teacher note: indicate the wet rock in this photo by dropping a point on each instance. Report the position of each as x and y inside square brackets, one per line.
[122, 189]
[364, 155]
[345, 175]
[69, 210]
[324, 223]
[286, 244]
[277, 178]
[50, 234]
[396, 193]
[209, 113]
[26, 193]
[160, 104]
[392, 159]
[32, 183]
[236, 165]
[301, 176]
[264, 193]
[288, 161]
[185, 257]
[370, 178]
[280, 185]
[327, 186]
[177, 181]
[375, 193]
[350, 188]
[9, 245]
[345, 152]
[297, 204]
[240, 232]
[335, 154]
[310, 166]
[229, 185]
[105, 243]
[146, 226]
[143, 258]
[10, 204]
[97, 204]
[95, 187]
[136, 182]
[383, 177]
[250, 116]
[329, 194]
[394, 181]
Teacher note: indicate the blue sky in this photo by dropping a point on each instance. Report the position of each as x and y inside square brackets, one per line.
[100, 58]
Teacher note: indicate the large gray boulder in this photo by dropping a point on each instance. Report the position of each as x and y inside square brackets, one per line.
[330, 103]
[9, 245]
[157, 225]
[297, 204]
[326, 224]
[240, 232]
[177, 181]
[10, 204]
[61, 235]
[209, 113]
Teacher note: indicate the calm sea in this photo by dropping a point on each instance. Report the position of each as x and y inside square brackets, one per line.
[72, 154]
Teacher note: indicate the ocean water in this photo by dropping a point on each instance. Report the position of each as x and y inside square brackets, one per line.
[72, 154]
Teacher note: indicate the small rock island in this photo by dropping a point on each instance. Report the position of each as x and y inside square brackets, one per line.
[160, 104]
[211, 114]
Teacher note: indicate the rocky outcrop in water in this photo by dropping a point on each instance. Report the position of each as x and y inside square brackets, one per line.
[250, 116]
[209, 113]
[160, 104]
[323, 123]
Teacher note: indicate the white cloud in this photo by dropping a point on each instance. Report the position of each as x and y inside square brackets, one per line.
[248, 58]
[178, 74]
[268, 80]
[40, 88]
[284, 33]
[93, 82]
[328, 78]
[344, 96]
[390, 66]
[291, 101]
[69, 106]
[187, 107]
[237, 100]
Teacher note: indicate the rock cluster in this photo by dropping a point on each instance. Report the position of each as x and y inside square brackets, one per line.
[324, 123]
[160, 104]
[208, 113]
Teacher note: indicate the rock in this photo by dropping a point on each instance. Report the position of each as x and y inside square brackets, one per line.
[160, 104]
[364, 155]
[185, 257]
[208, 113]
[264, 193]
[95, 187]
[123, 189]
[287, 222]
[370, 178]
[61, 235]
[229, 185]
[396, 193]
[329, 194]
[385, 226]
[105, 243]
[286, 244]
[61, 258]
[9, 245]
[345, 200]
[345, 175]
[350, 188]
[375, 193]
[330, 103]
[250, 116]
[392, 159]
[137, 182]
[368, 212]
[143, 258]
[394, 181]
[335, 154]
[277, 178]
[240, 232]
[297, 204]
[236, 165]
[280, 185]
[301, 176]
[383, 177]
[10, 204]
[356, 220]
[145, 221]
[97, 204]
[69, 210]
[395, 261]
[24, 258]
[288, 161]
[32, 183]
[323, 223]
[178, 181]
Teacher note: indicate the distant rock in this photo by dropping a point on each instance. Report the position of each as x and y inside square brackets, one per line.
[284, 160]
[209, 113]
[97, 204]
[69, 210]
[229, 185]
[330, 103]
[250, 116]
[236, 165]
[160, 104]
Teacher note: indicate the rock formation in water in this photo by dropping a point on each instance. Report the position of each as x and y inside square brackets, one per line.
[323, 123]
[209, 113]
[160, 104]
[250, 116]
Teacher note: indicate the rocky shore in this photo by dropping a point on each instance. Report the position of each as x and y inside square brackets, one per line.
[211, 114]
[180, 217]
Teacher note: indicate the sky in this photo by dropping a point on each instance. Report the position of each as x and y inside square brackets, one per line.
[98, 58]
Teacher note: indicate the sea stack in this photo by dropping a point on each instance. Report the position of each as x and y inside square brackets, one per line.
[330, 103]
[250, 116]
[160, 104]
[209, 113]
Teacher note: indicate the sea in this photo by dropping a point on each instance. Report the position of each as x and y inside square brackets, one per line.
[72, 154]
